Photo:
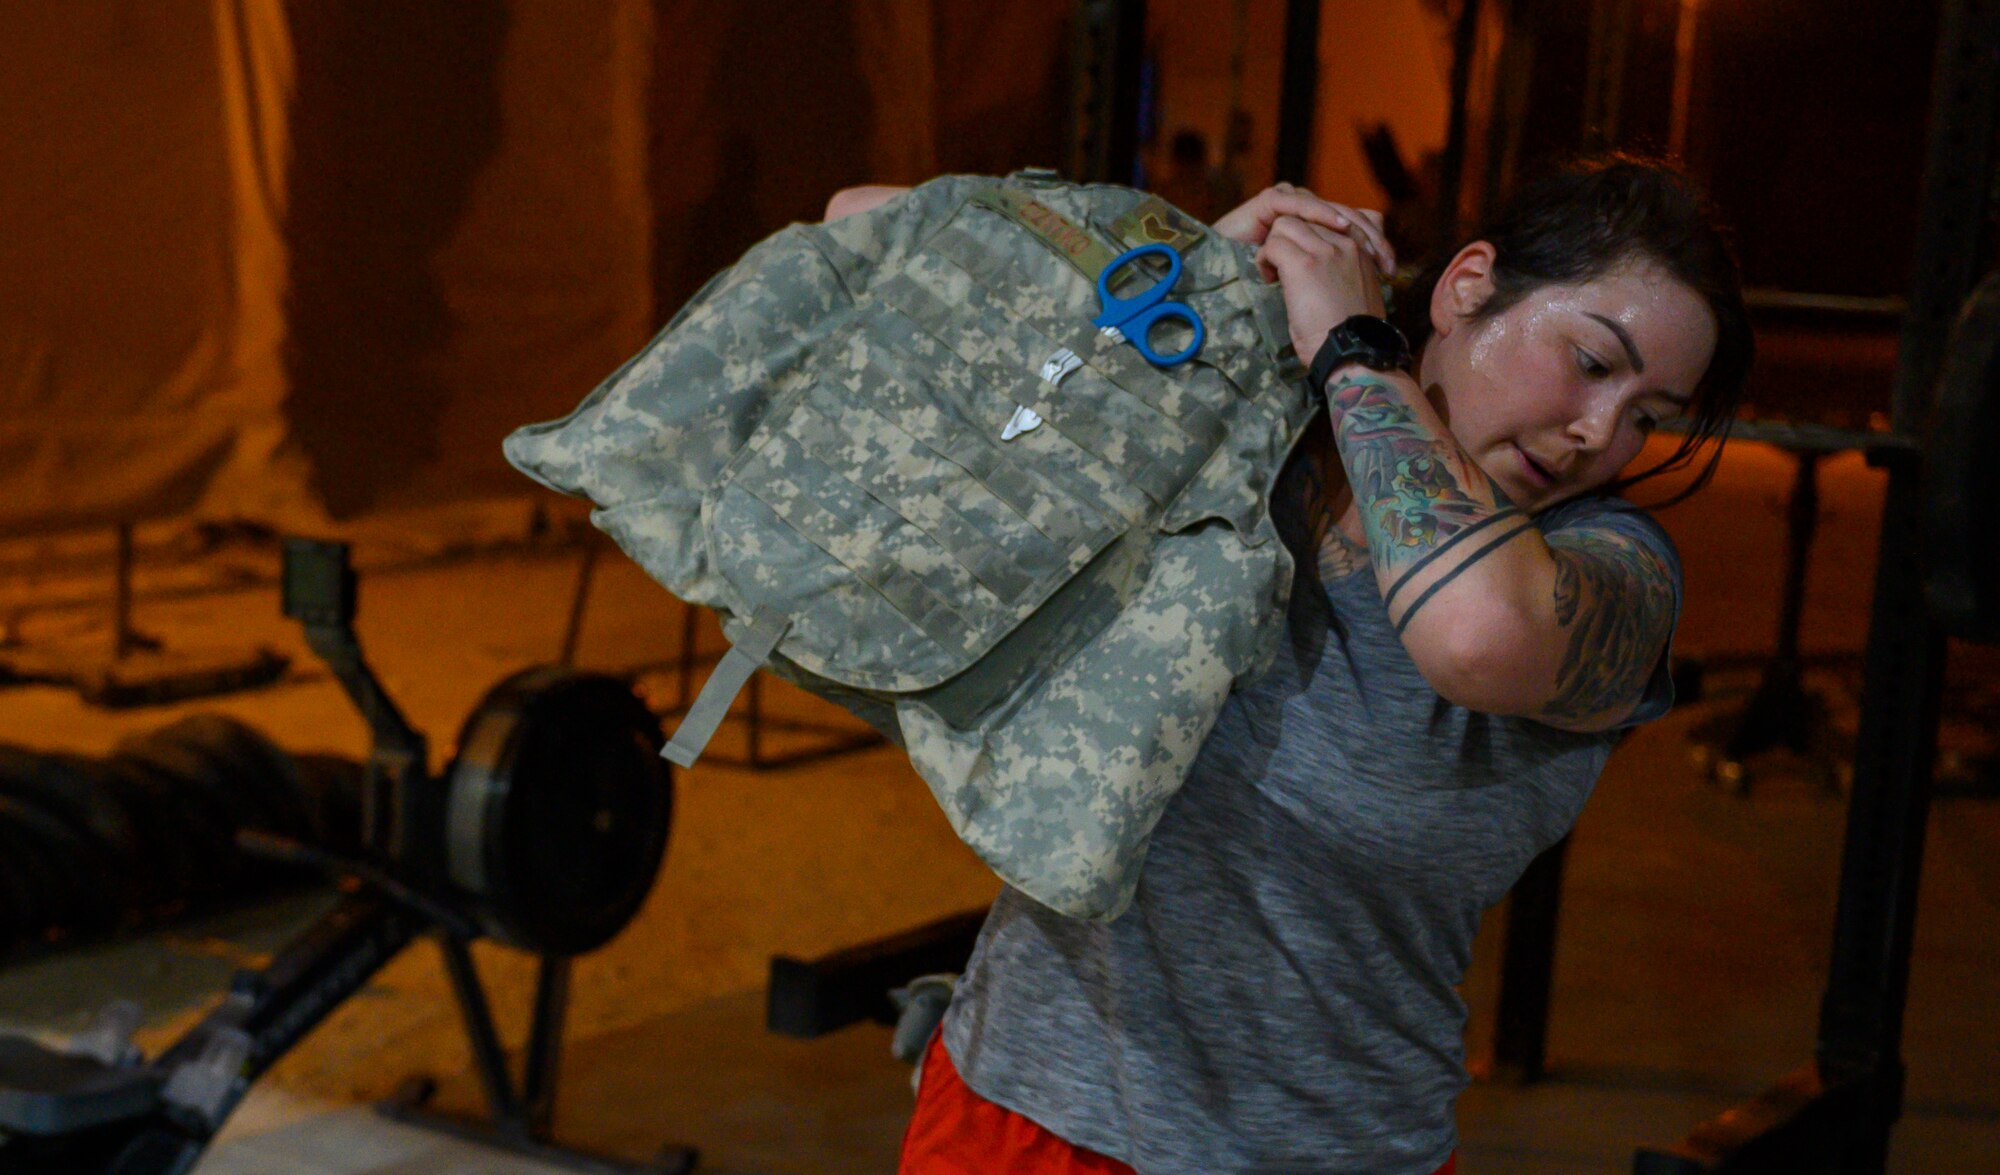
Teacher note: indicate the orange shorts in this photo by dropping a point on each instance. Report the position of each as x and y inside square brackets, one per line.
[954, 1131]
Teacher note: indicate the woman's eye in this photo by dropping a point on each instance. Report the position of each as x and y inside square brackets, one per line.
[1650, 418]
[1591, 365]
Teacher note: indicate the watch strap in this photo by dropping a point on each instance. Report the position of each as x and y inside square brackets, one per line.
[1345, 344]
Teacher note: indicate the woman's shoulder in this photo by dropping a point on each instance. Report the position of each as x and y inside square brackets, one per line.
[1611, 511]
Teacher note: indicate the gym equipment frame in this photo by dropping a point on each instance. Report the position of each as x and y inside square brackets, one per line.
[545, 833]
[1834, 1115]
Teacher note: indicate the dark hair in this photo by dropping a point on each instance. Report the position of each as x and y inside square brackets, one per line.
[1588, 218]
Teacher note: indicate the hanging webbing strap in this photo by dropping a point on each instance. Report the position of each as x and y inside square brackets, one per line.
[744, 658]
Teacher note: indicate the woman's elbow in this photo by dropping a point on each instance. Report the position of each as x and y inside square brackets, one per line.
[1486, 664]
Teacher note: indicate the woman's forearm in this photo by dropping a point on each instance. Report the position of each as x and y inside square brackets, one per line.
[1467, 578]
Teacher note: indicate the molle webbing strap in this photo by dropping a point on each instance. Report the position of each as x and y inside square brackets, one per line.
[1275, 330]
[1152, 219]
[851, 268]
[998, 272]
[719, 691]
[1149, 222]
[974, 339]
[892, 394]
[923, 593]
[830, 433]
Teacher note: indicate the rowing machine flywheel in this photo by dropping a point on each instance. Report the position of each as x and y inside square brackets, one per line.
[557, 809]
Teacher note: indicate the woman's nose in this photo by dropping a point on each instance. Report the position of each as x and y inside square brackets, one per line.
[1595, 423]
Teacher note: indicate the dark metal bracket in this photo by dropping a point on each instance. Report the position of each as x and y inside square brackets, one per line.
[519, 1118]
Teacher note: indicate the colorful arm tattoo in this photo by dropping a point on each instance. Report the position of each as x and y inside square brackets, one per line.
[1615, 598]
[1419, 495]
[1430, 513]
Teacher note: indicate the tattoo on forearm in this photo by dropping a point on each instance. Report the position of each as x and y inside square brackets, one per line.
[1415, 487]
[1420, 496]
[1395, 589]
[1338, 556]
[1617, 601]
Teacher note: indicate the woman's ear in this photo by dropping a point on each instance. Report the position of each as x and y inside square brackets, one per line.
[1462, 288]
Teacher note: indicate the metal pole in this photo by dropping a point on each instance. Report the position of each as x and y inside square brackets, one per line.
[489, 1059]
[1861, 1016]
[1604, 78]
[1681, 104]
[1128, 55]
[1239, 34]
[754, 725]
[1298, 90]
[573, 631]
[1109, 42]
[1451, 168]
[1958, 173]
[1527, 968]
[1835, 1118]
[545, 1043]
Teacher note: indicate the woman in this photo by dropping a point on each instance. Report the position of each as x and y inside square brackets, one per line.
[1476, 620]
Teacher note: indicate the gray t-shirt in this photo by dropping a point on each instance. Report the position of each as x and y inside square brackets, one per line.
[1281, 995]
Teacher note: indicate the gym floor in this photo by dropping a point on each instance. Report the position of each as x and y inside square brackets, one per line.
[1695, 925]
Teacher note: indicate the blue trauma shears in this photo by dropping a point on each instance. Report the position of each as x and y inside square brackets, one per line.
[1132, 319]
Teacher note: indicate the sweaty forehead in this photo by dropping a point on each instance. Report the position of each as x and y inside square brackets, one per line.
[1669, 324]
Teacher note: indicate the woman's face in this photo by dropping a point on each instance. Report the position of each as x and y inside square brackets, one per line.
[1554, 396]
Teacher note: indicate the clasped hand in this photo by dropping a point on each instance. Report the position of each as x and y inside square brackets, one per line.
[1328, 259]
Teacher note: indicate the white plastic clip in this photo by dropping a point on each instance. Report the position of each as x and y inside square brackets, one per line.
[1058, 365]
[1023, 420]
[1054, 369]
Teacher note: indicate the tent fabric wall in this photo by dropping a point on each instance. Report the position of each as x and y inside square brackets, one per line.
[295, 260]
[265, 474]
[469, 232]
[761, 110]
[278, 259]
[139, 307]
[764, 108]
[1003, 97]
[548, 277]
[1379, 61]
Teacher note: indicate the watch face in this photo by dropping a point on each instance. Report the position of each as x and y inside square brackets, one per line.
[1378, 336]
[1367, 340]
[1372, 342]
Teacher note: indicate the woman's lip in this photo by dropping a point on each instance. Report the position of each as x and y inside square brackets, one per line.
[1541, 477]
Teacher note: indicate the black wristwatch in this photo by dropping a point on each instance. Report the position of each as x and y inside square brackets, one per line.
[1373, 342]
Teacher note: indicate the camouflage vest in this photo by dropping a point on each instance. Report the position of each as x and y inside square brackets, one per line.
[826, 446]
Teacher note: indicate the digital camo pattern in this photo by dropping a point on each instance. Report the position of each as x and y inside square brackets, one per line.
[1060, 794]
[1054, 619]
